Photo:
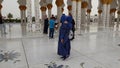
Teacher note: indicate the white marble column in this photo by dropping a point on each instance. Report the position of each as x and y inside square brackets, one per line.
[37, 15]
[49, 13]
[88, 21]
[118, 18]
[89, 7]
[29, 15]
[100, 18]
[1, 5]
[78, 16]
[83, 16]
[113, 7]
[74, 9]
[83, 20]
[100, 23]
[108, 15]
[43, 9]
[22, 8]
[100, 11]
[104, 15]
[106, 12]
[49, 6]
[21, 12]
[118, 14]
[59, 4]
[43, 14]
[59, 13]
[112, 19]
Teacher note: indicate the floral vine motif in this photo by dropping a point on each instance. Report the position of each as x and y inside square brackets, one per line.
[5, 56]
[54, 65]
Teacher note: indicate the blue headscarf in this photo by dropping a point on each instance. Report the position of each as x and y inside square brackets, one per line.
[63, 18]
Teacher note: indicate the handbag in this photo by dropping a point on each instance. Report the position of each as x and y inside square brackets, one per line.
[70, 34]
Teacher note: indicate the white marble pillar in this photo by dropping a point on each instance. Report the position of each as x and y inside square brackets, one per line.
[78, 16]
[49, 6]
[118, 18]
[1, 5]
[100, 11]
[112, 19]
[29, 15]
[49, 13]
[21, 12]
[100, 23]
[88, 22]
[59, 13]
[24, 15]
[43, 14]
[104, 15]
[83, 20]
[89, 7]
[59, 4]
[100, 20]
[43, 8]
[23, 7]
[24, 22]
[108, 15]
[37, 15]
[74, 9]
[113, 7]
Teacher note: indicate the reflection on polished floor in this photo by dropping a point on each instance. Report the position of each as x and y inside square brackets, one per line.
[93, 49]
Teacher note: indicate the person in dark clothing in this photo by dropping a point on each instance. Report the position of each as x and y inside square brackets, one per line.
[64, 45]
[73, 28]
[46, 24]
[1, 25]
[1, 20]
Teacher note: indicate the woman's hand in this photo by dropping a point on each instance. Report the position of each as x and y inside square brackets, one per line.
[62, 41]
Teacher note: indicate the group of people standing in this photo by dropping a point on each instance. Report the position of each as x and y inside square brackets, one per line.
[67, 24]
[51, 25]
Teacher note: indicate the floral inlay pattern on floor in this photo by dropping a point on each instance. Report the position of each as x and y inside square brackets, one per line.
[54, 65]
[9, 55]
[118, 44]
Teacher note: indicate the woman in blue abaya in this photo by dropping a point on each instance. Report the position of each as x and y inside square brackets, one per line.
[64, 41]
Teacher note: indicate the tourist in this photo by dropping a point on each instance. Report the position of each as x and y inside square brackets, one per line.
[51, 27]
[64, 41]
[46, 24]
[2, 25]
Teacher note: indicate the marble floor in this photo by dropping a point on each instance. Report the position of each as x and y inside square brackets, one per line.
[93, 49]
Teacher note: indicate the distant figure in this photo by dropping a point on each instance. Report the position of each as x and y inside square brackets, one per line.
[46, 24]
[56, 24]
[51, 27]
[64, 41]
[2, 25]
